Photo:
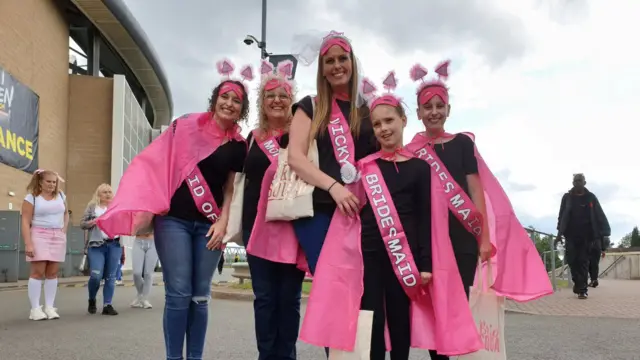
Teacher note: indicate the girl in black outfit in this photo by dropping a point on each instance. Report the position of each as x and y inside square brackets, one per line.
[458, 156]
[337, 83]
[408, 181]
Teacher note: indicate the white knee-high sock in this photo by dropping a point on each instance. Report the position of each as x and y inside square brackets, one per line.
[50, 289]
[34, 288]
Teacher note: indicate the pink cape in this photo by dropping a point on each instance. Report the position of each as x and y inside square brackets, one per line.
[440, 320]
[518, 270]
[274, 240]
[155, 174]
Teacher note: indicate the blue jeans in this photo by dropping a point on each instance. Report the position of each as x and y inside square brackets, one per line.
[103, 262]
[187, 267]
[278, 289]
[311, 233]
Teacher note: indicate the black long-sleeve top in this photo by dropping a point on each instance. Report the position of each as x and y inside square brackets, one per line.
[410, 188]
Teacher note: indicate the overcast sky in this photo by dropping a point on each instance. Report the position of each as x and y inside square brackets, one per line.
[549, 87]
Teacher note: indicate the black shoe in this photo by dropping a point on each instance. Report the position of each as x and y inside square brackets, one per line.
[582, 296]
[92, 307]
[594, 284]
[109, 310]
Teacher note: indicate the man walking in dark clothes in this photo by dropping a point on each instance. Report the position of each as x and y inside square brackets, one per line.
[586, 229]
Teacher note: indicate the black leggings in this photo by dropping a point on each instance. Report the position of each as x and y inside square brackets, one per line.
[384, 295]
[467, 264]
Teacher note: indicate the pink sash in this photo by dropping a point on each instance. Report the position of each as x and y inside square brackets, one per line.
[517, 267]
[269, 147]
[154, 175]
[441, 320]
[202, 195]
[273, 240]
[459, 202]
[391, 229]
[344, 147]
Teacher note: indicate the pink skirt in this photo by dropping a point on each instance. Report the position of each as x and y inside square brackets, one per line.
[48, 245]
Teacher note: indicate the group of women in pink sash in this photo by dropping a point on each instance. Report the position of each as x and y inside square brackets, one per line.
[396, 229]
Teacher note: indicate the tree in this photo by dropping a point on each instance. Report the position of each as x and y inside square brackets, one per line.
[635, 238]
[543, 245]
[625, 242]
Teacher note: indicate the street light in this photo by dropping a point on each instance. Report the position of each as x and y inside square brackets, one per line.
[262, 45]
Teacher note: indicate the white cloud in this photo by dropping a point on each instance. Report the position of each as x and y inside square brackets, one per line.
[561, 98]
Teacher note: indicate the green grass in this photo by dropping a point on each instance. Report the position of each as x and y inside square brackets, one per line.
[306, 286]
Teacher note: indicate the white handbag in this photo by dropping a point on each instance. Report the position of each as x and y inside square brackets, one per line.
[234, 226]
[290, 197]
[362, 348]
[488, 312]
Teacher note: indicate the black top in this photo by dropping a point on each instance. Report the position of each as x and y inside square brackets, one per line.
[458, 156]
[215, 169]
[579, 224]
[365, 144]
[255, 165]
[410, 188]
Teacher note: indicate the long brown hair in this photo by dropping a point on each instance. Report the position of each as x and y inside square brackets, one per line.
[34, 188]
[324, 98]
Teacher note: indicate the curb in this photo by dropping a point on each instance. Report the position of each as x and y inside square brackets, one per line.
[238, 295]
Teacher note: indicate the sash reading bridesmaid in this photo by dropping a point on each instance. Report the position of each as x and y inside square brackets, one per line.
[396, 228]
[185, 179]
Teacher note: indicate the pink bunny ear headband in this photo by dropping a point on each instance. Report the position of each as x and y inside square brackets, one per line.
[279, 78]
[40, 171]
[390, 83]
[225, 68]
[335, 38]
[435, 87]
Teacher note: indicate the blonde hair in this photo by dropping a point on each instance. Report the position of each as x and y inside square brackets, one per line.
[95, 200]
[324, 98]
[263, 121]
[34, 188]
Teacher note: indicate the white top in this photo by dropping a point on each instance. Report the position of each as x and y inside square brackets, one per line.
[47, 214]
[99, 211]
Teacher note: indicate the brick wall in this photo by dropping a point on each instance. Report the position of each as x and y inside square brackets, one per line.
[89, 150]
[34, 48]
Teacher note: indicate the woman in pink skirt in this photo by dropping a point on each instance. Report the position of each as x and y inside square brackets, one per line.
[44, 230]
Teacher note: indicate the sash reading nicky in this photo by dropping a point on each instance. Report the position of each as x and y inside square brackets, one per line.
[269, 147]
[343, 145]
[459, 202]
[202, 195]
[393, 235]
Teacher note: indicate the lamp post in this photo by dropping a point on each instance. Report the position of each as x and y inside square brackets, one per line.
[262, 44]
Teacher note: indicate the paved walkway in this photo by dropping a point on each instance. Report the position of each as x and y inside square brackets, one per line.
[613, 298]
[136, 334]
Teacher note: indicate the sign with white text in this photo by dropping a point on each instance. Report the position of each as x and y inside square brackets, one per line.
[19, 108]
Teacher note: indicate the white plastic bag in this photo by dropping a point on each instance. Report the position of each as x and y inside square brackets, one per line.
[488, 311]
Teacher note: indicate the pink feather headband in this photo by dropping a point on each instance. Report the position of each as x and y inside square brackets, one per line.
[335, 38]
[435, 87]
[390, 83]
[225, 68]
[280, 78]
